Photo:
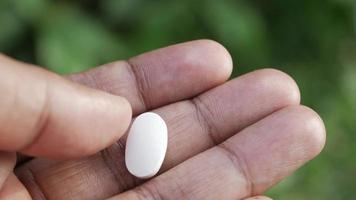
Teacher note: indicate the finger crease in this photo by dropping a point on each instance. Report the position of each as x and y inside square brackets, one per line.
[43, 119]
[141, 83]
[204, 121]
[121, 145]
[182, 193]
[37, 185]
[92, 77]
[147, 193]
[108, 163]
[240, 163]
[124, 181]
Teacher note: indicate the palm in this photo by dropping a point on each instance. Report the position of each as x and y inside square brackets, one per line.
[227, 140]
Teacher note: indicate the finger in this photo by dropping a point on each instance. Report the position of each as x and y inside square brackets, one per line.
[246, 164]
[7, 164]
[163, 76]
[258, 198]
[233, 106]
[43, 114]
[13, 189]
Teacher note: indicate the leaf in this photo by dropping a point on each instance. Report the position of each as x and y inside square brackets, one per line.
[240, 28]
[69, 40]
[11, 28]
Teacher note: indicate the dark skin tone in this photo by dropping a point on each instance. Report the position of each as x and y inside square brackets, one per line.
[227, 139]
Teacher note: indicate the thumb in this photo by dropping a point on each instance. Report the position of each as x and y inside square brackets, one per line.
[43, 114]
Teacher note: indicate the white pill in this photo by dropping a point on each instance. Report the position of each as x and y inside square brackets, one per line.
[146, 145]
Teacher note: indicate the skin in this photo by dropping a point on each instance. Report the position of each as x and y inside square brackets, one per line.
[227, 139]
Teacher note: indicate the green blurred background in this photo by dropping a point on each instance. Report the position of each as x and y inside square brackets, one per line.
[312, 40]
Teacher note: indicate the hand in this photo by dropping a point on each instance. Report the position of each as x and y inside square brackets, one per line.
[227, 140]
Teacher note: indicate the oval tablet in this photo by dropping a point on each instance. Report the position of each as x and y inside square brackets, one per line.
[146, 145]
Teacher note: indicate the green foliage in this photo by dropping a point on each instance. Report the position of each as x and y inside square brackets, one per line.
[313, 41]
[70, 40]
